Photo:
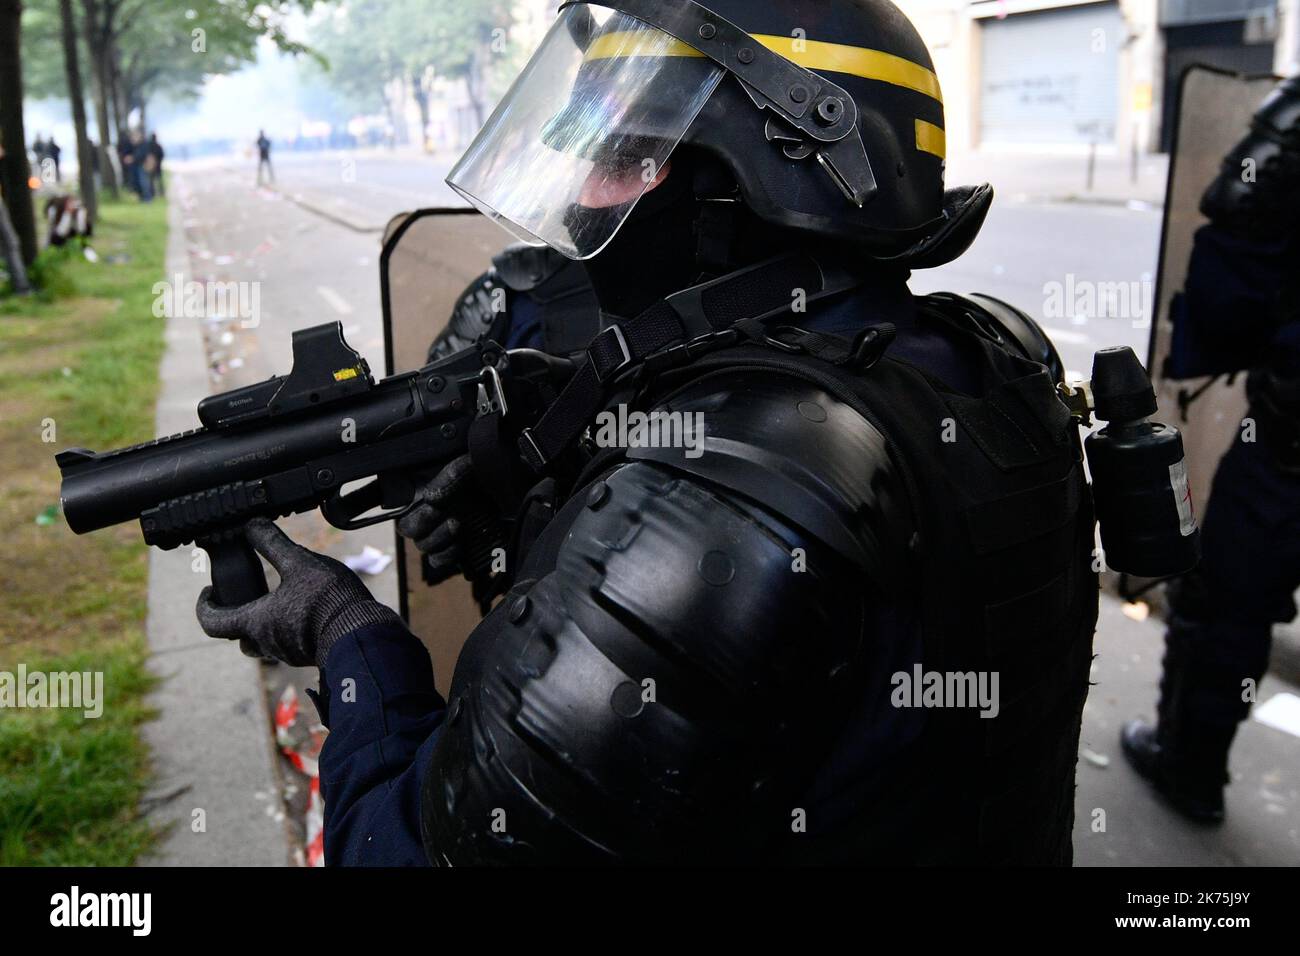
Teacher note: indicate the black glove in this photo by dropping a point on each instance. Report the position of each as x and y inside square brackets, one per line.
[432, 526]
[318, 601]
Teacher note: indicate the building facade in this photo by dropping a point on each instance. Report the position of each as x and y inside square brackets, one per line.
[1054, 76]
[1073, 75]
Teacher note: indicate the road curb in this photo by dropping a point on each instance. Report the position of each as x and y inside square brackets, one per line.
[337, 218]
[217, 788]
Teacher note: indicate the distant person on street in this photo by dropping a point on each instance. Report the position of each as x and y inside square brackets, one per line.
[142, 163]
[94, 165]
[264, 157]
[67, 219]
[155, 161]
[54, 151]
[126, 158]
[40, 151]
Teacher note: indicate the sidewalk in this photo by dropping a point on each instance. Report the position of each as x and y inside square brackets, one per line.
[229, 232]
[1034, 177]
[1119, 821]
[217, 786]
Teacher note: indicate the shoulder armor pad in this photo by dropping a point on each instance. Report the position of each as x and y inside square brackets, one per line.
[524, 268]
[472, 317]
[800, 453]
[655, 575]
[1027, 335]
[476, 301]
[1002, 323]
[1280, 111]
[1262, 205]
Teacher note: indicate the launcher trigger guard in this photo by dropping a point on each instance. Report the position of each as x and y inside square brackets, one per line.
[341, 510]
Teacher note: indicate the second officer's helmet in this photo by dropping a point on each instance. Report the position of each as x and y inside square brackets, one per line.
[827, 113]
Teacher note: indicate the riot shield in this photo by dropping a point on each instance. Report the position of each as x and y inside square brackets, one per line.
[429, 257]
[1214, 112]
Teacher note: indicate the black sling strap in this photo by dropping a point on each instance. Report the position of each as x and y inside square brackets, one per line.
[756, 293]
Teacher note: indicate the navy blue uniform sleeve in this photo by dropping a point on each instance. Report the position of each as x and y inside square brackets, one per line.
[378, 700]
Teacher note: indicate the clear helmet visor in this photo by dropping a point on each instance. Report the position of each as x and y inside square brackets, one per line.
[586, 130]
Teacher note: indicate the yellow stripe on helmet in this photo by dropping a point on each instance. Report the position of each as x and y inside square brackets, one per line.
[809, 54]
[931, 139]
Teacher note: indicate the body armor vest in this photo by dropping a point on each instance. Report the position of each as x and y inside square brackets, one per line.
[1003, 583]
[996, 580]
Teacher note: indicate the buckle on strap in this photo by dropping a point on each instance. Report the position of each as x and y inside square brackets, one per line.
[491, 396]
[603, 363]
[530, 451]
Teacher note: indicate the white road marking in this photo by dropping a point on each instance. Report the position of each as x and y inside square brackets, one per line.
[336, 301]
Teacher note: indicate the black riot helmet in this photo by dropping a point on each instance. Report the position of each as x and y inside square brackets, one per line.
[827, 113]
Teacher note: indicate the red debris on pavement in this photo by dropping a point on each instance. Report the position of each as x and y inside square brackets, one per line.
[303, 754]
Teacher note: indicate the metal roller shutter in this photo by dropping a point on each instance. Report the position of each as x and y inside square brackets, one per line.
[1052, 76]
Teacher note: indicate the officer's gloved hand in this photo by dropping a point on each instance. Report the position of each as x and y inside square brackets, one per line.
[432, 524]
[318, 601]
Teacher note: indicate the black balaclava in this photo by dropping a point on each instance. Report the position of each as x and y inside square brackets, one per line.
[659, 250]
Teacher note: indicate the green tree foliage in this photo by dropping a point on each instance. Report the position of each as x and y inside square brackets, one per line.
[43, 75]
[369, 44]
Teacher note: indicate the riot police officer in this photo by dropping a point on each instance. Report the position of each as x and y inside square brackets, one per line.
[858, 625]
[1240, 310]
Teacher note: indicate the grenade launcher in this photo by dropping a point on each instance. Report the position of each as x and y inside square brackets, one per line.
[293, 442]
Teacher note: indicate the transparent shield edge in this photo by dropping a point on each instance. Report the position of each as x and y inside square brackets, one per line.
[464, 176]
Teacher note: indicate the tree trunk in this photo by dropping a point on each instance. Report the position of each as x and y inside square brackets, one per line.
[15, 171]
[85, 164]
[475, 87]
[13, 254]
[422, 101]
[114, 108]
[118, 90]
[144, 122]
[403, 128]
[390, 113]
[107, 172]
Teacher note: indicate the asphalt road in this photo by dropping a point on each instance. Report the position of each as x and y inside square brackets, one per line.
[1045, 258]
[1034, 255]
[312, 246]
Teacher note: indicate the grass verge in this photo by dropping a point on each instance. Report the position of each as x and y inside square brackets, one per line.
[78, 366]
